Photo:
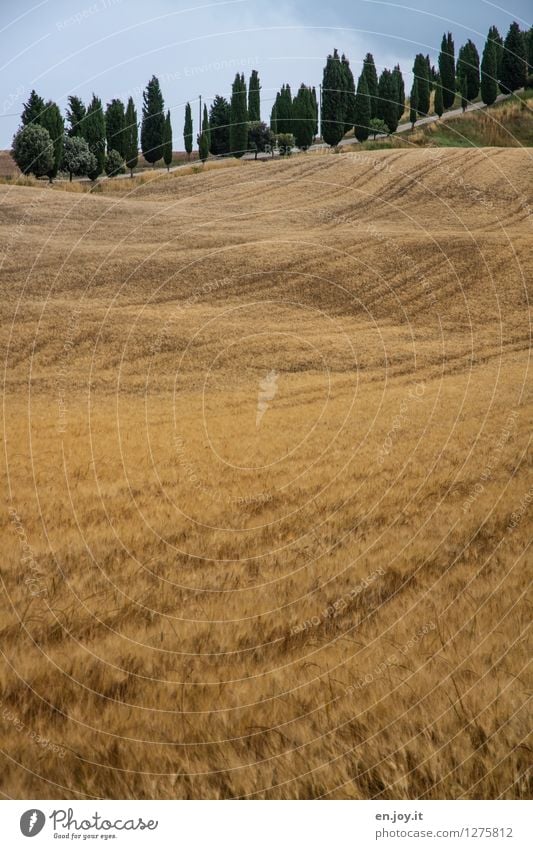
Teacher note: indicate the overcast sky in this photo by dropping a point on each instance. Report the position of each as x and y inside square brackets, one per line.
[112, 47]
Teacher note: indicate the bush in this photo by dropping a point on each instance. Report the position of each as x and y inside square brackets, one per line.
[33, 150]
[114, 164]
[285, 142]
[77, 160]
[378, 127]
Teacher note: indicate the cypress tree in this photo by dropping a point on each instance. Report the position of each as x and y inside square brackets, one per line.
[94, 134]
[315, 105]
[333, 100]
[167, 142]
[497, 40]
[131, 137]
[283, 107]
[468, 67]
[513, 71]
[362, 110]
[219, 122]
[431, 74]
[203, 147]
[400, 90]
[304, 117]
[529, 51]
[254, 98]
[349, 95]
[447, 70]
[188, 130]
[369, 70]
[205, 126]
[115, 121]
[420, 71]
[274, 118]
[52, 120]
[413, 105]
[238, 135]
[153, 122]
[76, 113]
[388, 103]
[439, 100]
[33, 109]
[463, 83]
[489, 72]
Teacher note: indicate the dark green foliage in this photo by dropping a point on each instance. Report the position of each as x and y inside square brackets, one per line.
[468, 67]
[333, 100]
[167, 142]
[254, 98]
[399, 86]
[188, 130]
[52, 120]
[349, 94]
[238, 134]
[219, 121]
[283, 110]
[489, 72]
[114, 163]
[431, 73]
[274, 118]
[315, 105]
[76, 113]
[371, 76]
[203, 147]
[388, 102]
[529, 50]
[447, 70]
[205, 126]
[115, 121]
[131, 137]
[495, 37]
[153, 122]
[285, 142]
[463, 88]
[260, 137]
[33, 150]
[362, 110]
[33, 110]
[439, 100]
[513, 72]
[78, 160]
[420, 71]
[413, 105]
[303, 117]
[378, 126]
[94, 134]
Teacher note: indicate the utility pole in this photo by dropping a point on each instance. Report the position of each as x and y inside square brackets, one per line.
[200, 121]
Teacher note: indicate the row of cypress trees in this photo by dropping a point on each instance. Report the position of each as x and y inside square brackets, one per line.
[378, 104]
[111, 138]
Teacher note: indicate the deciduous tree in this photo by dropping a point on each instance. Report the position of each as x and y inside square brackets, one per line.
[33, 150]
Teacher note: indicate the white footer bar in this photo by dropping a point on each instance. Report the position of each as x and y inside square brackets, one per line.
[266, 825]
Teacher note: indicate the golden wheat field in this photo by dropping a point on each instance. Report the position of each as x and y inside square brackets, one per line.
[266, 455]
